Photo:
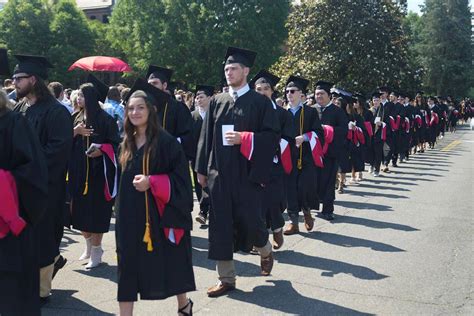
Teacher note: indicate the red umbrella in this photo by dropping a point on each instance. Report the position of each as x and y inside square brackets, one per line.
[101, 63]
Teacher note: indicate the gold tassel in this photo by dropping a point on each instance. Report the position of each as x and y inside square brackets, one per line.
[147, 236]
[86, 184]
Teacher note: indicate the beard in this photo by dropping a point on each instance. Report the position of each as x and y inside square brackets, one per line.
[23, 92]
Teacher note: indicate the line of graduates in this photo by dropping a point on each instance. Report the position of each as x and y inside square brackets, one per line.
[251, 160]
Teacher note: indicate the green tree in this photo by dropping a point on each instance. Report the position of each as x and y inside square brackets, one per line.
[356, 44]
[24, 27]
[72, 38]
[447, 47]
[413, 27]
[191, 36]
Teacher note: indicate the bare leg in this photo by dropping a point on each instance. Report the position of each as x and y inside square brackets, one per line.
[183, 301]
[97, 239]
[126, 308]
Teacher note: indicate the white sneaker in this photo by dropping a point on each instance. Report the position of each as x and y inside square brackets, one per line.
[87, 251]
[376, 174]
[96, 257]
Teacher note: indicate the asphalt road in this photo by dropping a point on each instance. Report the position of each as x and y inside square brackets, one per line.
[401, 244]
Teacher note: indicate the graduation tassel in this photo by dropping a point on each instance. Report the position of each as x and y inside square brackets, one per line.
[164, 116]
[86, 184]
[300, 159]
[147, 235]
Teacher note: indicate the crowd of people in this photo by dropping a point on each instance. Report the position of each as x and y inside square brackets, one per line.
[73, 158]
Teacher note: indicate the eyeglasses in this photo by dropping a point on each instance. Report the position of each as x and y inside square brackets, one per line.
[291, 91]
[18, 78]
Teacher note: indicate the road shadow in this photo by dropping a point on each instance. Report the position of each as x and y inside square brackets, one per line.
[329, 267]
[405, 166]
[351, 242]
[375, 194]
[406, 178]
[64, 303]
[378, 180]
[280, 296]
[374, 224]
[364, 206]
[200, 259]
[103, 271]
[422, 173]
[391, 188]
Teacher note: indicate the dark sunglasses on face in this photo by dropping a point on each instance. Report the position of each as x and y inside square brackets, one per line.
[18, 78]
[291, 91]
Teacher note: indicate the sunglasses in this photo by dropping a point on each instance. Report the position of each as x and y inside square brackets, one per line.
[291, 91]
[18, 78]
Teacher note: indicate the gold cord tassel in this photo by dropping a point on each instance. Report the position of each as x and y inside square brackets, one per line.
[300, 159]
[147, 236]
[86, 184]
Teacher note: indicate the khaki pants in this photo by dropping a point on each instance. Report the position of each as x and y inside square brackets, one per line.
[226, 269]
[46, 278]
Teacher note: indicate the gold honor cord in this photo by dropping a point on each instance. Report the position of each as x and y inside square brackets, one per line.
[300, 159]
[164, 116]
[147, 235]
[86, 184]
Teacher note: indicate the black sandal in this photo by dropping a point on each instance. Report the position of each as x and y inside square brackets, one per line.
[182, 312]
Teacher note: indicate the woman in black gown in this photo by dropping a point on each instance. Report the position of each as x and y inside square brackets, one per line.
[92, 175]
[153, 210]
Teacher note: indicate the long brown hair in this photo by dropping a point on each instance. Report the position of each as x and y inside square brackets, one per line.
[3, 102]
[128, 145]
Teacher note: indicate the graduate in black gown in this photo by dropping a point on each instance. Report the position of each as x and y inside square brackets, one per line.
[234, 158]
[380, 135]
[361, 108]
[334, 122]
[23, 191]
[153, 208]
[202, 99]
[173, 116]
[405, 133]
[306, 156]
[388, 116]
[433, 115]
[93, 173]
[275, 192]
[52, 123]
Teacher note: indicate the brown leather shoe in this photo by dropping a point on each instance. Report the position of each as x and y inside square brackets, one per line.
[308, 222]
[266, 264]
[277, 239]
[291, 230]
[220, 289]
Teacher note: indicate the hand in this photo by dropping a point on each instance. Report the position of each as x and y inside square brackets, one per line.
[354, 127]
[378, 123]
[141, 182]
[202, 180]
[299, 140]
[233, 138]
[81, 129]
[96, 153]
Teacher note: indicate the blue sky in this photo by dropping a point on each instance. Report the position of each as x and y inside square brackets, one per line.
[413, 5]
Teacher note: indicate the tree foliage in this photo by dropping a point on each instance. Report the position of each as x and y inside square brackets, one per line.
[446, 47]
[191, 36]
[357, 44]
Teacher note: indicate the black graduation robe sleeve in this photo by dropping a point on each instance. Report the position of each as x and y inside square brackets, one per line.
[205, 140]
[184, 127]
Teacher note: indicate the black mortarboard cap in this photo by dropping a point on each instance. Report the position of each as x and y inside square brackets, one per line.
[384, 89]
[432, 98]
[341, 92]
[264, 76]
[241, 56]
[156, 95]
[298, 82]
[376, 94]
[4, 65]
[358, 95]
[419, 93]
[164, 74]
[208, 90]
[33, 65]
[102, 88]
[324, 85]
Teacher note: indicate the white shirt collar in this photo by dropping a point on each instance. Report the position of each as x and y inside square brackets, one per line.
[274, 105]
[202, 112]
[240, 92]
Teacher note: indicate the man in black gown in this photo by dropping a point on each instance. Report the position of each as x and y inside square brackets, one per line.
[52, 123]
[235, 153]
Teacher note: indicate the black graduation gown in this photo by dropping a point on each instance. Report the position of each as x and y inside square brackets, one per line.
[417, 130]
[236, 219]
[21, 155]
[337, 118]
[176, 119]
[355, 148]
[303, 184]
[404, 136]
[202, 194]
[53, 125]
[368, 117]
[275, 192]
[91, 212]
[168, 269]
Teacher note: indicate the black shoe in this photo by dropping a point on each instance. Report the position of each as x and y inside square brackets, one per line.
[59, 264]
[201, 218]
[329, 217]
